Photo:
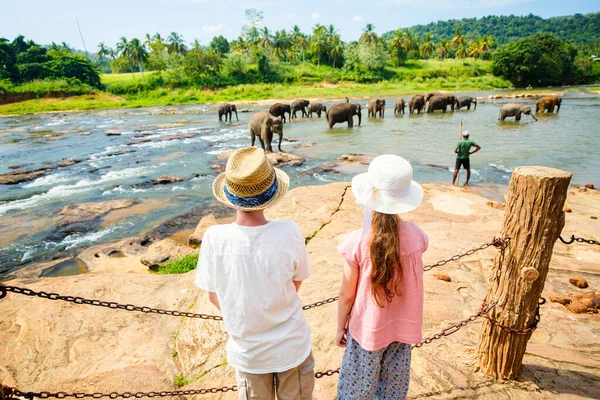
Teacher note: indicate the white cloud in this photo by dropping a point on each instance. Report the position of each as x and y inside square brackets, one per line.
[315, 15]
[357, 18]
[212, 28]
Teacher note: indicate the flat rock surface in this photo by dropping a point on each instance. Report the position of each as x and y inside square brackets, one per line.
[53, 345]
[276, 159]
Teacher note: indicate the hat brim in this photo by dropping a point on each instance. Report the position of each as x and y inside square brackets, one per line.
[283, 184]
[410, 199]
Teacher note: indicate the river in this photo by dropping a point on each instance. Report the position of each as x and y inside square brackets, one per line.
[119, 167]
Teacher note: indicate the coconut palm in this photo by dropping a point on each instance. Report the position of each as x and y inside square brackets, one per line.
[336, 49]
[299, 41]
[123, 51]
[103, 51]
[476, 49]
[318, 42]
[462, 51]
[265, 40]
[458, 39]
[369, 35]
[138, 53]
[397, 42]
[442, 49]
[176, 44]
[427, 47]
[281, 44]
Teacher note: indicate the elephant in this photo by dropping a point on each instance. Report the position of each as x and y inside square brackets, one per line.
[226, 109]
[344, 112]
[547, 103]
[515, 110]
[376, 106]
[441, 102]
[279, 110]
[466, 101]
[316, 108]
[417, 103]
[264, 125]
[400, 104]
[299, 105]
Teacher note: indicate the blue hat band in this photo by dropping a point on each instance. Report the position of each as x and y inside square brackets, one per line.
[253, 201]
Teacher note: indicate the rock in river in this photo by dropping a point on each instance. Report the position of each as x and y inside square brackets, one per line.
[163, 180]
[164, 251]
[21, 175]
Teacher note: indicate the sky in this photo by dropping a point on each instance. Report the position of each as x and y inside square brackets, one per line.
[46, 21]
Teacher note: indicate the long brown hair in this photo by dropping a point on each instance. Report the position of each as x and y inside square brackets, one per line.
[386, 273]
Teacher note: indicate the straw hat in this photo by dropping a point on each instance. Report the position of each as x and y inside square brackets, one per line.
[388, 187]
[250, 182]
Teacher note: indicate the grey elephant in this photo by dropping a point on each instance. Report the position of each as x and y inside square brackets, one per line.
[548, 103]
[466, 101]
[416, 104]
[515, 110]
[299, 105]
[279, 110]
[264, 125]
[399, 107]
[317, 108]
[344, 112]
[376, 106]
[441, 102]
[227, 109]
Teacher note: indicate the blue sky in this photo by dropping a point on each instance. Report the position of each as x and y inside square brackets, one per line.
[106, 21]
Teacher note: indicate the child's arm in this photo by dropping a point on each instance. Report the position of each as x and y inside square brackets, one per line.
[346, 301]
[212, 296]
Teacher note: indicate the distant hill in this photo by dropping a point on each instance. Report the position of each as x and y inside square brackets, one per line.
[578, 28]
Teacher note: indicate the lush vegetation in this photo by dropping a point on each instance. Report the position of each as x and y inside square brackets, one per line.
[583, 30]
[181, 266]
[25, 61]
[542, 60]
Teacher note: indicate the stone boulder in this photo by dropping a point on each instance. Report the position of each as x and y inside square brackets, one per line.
[21, 175]
[165, 251]
[207, 221]
[165, 179]
[578, 281]
[90, 210]
[357, 157]
[579, 304]
[67, 163]
[442, 276]
[112, 132]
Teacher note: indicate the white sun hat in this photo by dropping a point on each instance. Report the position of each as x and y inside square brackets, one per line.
[387, 187]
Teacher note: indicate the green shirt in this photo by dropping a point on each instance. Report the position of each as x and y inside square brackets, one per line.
[464, 146]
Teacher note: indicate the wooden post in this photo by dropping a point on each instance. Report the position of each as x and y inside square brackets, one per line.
[533, 221]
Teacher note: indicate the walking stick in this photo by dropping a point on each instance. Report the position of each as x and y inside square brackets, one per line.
[459, 138]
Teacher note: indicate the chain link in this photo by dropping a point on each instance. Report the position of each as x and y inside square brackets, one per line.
[525, 331]
[320, 303]
[496, 242]
[98, 303]
[573, 238]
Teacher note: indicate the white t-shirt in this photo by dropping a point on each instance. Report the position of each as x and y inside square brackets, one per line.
[252, 269]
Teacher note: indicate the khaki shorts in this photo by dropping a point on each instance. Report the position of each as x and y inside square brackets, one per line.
[294, 384]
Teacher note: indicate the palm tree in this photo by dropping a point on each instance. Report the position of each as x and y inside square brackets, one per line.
[176, 44]
[336, 49]
[123, 51]
[318, 43]
[281, 44]
[397, 42]
[426, 49]
[368, 35]
[458, 41]
[462, 52]
[265, 41]
[299, 42]
[476, 49]
[138, 52]
[103, 51]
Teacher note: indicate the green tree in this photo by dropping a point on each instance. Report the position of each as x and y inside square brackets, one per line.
[176, 44]
[368, 35]
[282, 44]
[220, 44]
[538, 60]
[138, 53]
[397, 44]
[427, 47]
[442, 49]
[123, 50]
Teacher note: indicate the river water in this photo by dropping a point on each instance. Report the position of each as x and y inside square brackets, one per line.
[119, 167]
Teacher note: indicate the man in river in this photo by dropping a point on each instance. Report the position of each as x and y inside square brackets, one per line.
[463, 151]
[252, 270]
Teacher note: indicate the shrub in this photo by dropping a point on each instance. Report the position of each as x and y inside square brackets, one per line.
[181, 266]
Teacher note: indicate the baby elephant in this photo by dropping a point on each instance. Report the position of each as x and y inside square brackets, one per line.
[376, 106]
[316, 108]
[466, 101]
[515, 110]
[227, 109]
[264, 125]
[400, 105]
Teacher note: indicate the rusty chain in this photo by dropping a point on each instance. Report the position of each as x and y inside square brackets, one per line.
[320, 303]
[98, 303]
[499, 243]
[573, 238]
[525, 331]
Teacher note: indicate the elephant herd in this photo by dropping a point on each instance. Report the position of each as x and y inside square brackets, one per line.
[265, 124]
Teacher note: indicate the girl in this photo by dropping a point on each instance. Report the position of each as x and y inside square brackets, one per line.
[380, 311]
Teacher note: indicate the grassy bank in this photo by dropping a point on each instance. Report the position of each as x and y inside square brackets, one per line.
[310, 81]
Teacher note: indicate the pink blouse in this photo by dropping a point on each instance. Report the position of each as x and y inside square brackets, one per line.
[401, 320]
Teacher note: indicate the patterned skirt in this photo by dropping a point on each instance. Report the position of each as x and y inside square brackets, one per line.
[367, 375]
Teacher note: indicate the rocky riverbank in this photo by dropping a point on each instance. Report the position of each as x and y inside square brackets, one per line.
[60, 346]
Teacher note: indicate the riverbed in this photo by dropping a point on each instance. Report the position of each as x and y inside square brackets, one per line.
[184, 141]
